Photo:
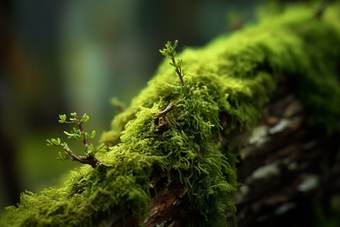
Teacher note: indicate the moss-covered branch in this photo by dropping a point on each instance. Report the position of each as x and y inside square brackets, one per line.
[234, 84]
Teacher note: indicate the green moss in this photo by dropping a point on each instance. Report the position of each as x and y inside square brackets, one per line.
[235, 74]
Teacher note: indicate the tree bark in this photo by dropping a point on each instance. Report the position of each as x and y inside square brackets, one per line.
[287, 166]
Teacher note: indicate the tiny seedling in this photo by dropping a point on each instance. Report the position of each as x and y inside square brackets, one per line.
[79, 135]
[186, 90]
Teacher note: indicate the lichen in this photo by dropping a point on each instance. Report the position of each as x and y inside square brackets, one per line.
[234, 74]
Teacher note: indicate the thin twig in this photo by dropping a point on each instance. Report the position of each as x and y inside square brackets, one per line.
[83, 133]
[177, 70]
[88, 159]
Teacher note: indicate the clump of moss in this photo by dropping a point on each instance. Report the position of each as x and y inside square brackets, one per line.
[234, 75]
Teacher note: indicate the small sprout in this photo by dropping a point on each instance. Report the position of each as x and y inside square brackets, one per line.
[169, 52]
[187, 90]
[81, 136]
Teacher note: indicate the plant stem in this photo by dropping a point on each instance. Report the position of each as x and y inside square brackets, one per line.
[177, 70]
[88, 159]
[83, 133]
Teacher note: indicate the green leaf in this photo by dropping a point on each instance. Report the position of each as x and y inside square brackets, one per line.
[175, 43]
[90, 149]
[62, 118]
[55, 142]
[163, 52]
[60, 155]
[101, 146]
[76, 136]
[74, 114]
[93, 134]
[85, 118]
[68, 134]
[74, 120]
[49, 143]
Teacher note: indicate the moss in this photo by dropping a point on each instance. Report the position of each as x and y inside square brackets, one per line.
[235, 75]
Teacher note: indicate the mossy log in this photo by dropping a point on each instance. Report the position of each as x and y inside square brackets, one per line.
[261, 139]
[286, 166]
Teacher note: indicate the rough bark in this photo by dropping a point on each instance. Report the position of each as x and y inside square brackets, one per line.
[287, 167]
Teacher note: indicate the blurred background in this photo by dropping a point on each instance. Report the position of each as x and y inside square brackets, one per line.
[61, 56]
